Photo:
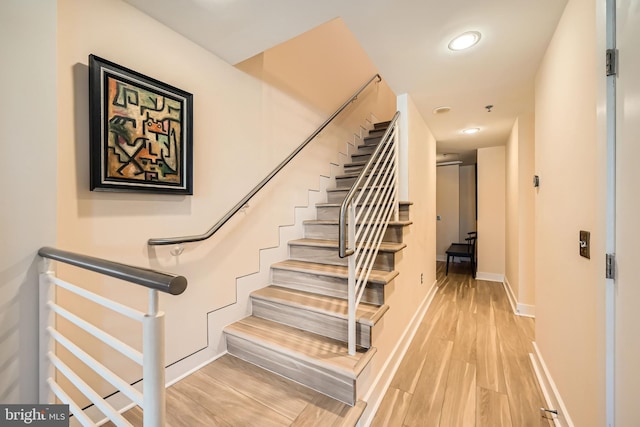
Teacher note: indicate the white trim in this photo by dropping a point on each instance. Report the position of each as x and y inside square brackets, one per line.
[441, 258]
[490, 277]
[545, 380]
[543, 387]
[519, 309]
[381, 384]
[526, 310]
[512, 297]
[197, 368]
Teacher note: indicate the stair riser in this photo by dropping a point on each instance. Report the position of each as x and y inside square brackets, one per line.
[345, 182]
[332, 213]
[358, 168]
[301, 371]
[353, 169]
[318, 323]
[365, 149]
[324, 285]
[337, 196]
[373, 139]
[377, 132]
[361, 157]
[393, 233]
[384, 260]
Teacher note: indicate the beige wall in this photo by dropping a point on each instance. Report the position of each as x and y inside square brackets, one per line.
[491, 213]
[293, 66]
[447, 208]
[243, 127]
[28, 173]
[570, 159]
[520, 238]
[467, 201]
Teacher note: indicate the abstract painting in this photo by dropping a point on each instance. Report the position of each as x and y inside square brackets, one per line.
[140, 132]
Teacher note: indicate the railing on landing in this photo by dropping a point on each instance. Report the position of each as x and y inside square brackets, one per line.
[152, 398]
[370, 204]
[242, 203]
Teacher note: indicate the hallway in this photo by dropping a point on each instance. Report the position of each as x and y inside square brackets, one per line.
[468, 364]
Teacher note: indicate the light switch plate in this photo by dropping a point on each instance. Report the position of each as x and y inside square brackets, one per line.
[585, 244]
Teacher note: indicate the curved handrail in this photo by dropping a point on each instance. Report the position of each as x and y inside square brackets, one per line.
[164, 282]
[243, 202]
[342, 234]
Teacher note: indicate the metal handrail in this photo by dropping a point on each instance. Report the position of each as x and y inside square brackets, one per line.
[164, 282]
[243, 202]
[342, 234]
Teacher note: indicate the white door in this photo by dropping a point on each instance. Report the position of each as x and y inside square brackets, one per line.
[627, 224]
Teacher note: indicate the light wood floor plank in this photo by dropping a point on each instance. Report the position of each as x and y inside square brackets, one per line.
[227, 403]
[278, 393]
[325, 411]
[489, 364]
[492, 409]
[459, 406]
[394, 407]
[426, 405]
[464, 345]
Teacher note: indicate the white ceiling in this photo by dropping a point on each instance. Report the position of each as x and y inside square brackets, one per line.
[407, 41]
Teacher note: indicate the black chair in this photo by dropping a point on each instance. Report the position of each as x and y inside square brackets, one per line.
[464, 250]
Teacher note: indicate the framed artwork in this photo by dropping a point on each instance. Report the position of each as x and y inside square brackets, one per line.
[141, 132]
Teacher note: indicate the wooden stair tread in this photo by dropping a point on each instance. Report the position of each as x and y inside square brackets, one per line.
[314, 349]
[339, 271]
[367, 314]
[335, 222]
[320, 243]
[337, 205]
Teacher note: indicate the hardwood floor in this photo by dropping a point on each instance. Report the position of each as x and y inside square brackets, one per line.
[468, 364]
[230, 392]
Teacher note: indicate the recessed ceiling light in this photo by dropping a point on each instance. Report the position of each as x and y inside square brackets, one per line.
[441, 110]
[465, 40]
[471, 131]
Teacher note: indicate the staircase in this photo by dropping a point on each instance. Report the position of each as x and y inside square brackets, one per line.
[298, 328]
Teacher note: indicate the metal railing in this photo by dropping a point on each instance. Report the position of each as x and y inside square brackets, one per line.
[242, 203]
[152, 398]
[365, 213]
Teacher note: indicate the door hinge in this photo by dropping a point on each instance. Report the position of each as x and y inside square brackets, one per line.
[611, 266]
[612, 62]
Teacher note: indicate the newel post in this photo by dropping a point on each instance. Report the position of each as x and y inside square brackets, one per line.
[46, 320]
[154, 406]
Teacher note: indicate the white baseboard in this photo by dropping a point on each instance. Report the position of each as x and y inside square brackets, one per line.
[490, 277]
[441, 258]
[380, 385]
[553, 398]
[519, 309]
[526, 310]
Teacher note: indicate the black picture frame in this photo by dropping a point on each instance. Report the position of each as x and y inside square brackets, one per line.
[141, 132]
